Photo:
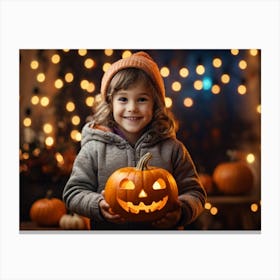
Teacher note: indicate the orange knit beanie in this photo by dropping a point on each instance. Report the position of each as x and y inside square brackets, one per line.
[140, 60]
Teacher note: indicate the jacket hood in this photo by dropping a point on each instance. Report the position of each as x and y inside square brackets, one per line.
[104, 134]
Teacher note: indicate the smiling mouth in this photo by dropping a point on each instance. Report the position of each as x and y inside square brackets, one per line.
[132, 118]
[135, 209]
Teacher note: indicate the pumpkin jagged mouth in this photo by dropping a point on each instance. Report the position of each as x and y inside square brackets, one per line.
[128, 206]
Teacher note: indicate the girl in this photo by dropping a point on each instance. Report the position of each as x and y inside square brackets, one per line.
[130, 121]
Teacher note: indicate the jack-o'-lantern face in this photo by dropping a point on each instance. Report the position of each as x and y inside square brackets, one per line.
[142, 193]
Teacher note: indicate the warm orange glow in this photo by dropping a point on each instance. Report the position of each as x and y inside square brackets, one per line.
[55, 59]
[44, 101]
[176, 86]
[234, 52]
[35, 100]
[198, 85]
[216, 89]
[75, 135]
[217, 62]
[214, 210]
[27, 122]
[225, 78]
[242, 64]
[200, 69]
[75, 120]
[89, 63]
[49, 141]
[168, 102]
[242, 89]
[82, 52]
[254, 207]
[106, 66]
[70, 106]
[34, 64]
[89, 101]
[41, 77]
[58, 83]
[126, 54]
[108, 52]
[254, 52]
[188, 102]
[164, 71]
[184, 72]
[250, 158]
[48, 128]
[69, 77]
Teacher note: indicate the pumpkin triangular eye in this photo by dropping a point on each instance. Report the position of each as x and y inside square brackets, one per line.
[127, 184]
[159, 184]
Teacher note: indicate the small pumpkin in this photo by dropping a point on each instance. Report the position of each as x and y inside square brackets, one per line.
[47, 211]
[207, 182]
[233, 178]
[142, 193]
[74, 221]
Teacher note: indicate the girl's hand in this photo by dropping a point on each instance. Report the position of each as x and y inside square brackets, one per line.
[170, 220]
[108, 213]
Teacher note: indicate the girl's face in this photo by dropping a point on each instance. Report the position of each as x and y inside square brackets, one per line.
[133, 110]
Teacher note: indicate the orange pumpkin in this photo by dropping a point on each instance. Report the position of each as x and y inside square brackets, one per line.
[233, 178]
[207, 182]
[47, 211]
[142, 193]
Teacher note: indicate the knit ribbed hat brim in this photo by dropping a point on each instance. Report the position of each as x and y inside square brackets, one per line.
[140, 60]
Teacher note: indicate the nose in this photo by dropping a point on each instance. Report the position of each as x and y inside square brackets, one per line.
[132, 106]
[142, 194]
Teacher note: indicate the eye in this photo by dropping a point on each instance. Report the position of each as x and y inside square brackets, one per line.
[127, 185]
[142, 99]
[122, 99]
[159, 184]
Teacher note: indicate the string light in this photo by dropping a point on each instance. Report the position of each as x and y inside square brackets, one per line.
[108, 52]
[70, 106]
[55, 59]
[234, 52]
[188, 102]
[89, 101]
[44, 101]
[69, 77]
[254, 52]
[82, 52]
[198, 84]
[89, 63]
[242, 89]
[200, 69]
[41, 77]
[106, 66]
[75, 120]
[168, 102]
[58, 83]
[34, 64]
[49, 141]
[215, 89]
[27, 122]
[176, 86]
[254, 207]
[164, 71]
[217, 62]
[250, 158]
[126, 54]
[48, 128]
[35, 100]
[225, 78]
[259, 108]
[242, 64]
[184, 72]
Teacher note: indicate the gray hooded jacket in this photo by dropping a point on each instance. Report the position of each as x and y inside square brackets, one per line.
[103, 152]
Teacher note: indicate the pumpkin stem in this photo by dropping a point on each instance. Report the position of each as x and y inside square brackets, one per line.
[143, 162]
[49, 194]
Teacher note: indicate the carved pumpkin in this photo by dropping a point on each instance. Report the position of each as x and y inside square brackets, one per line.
[233, 178]
[74, 221]
[207, 182]
[142, 193]
[47, 211]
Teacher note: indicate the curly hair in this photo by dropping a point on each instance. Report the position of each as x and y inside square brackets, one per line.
[163, 122]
